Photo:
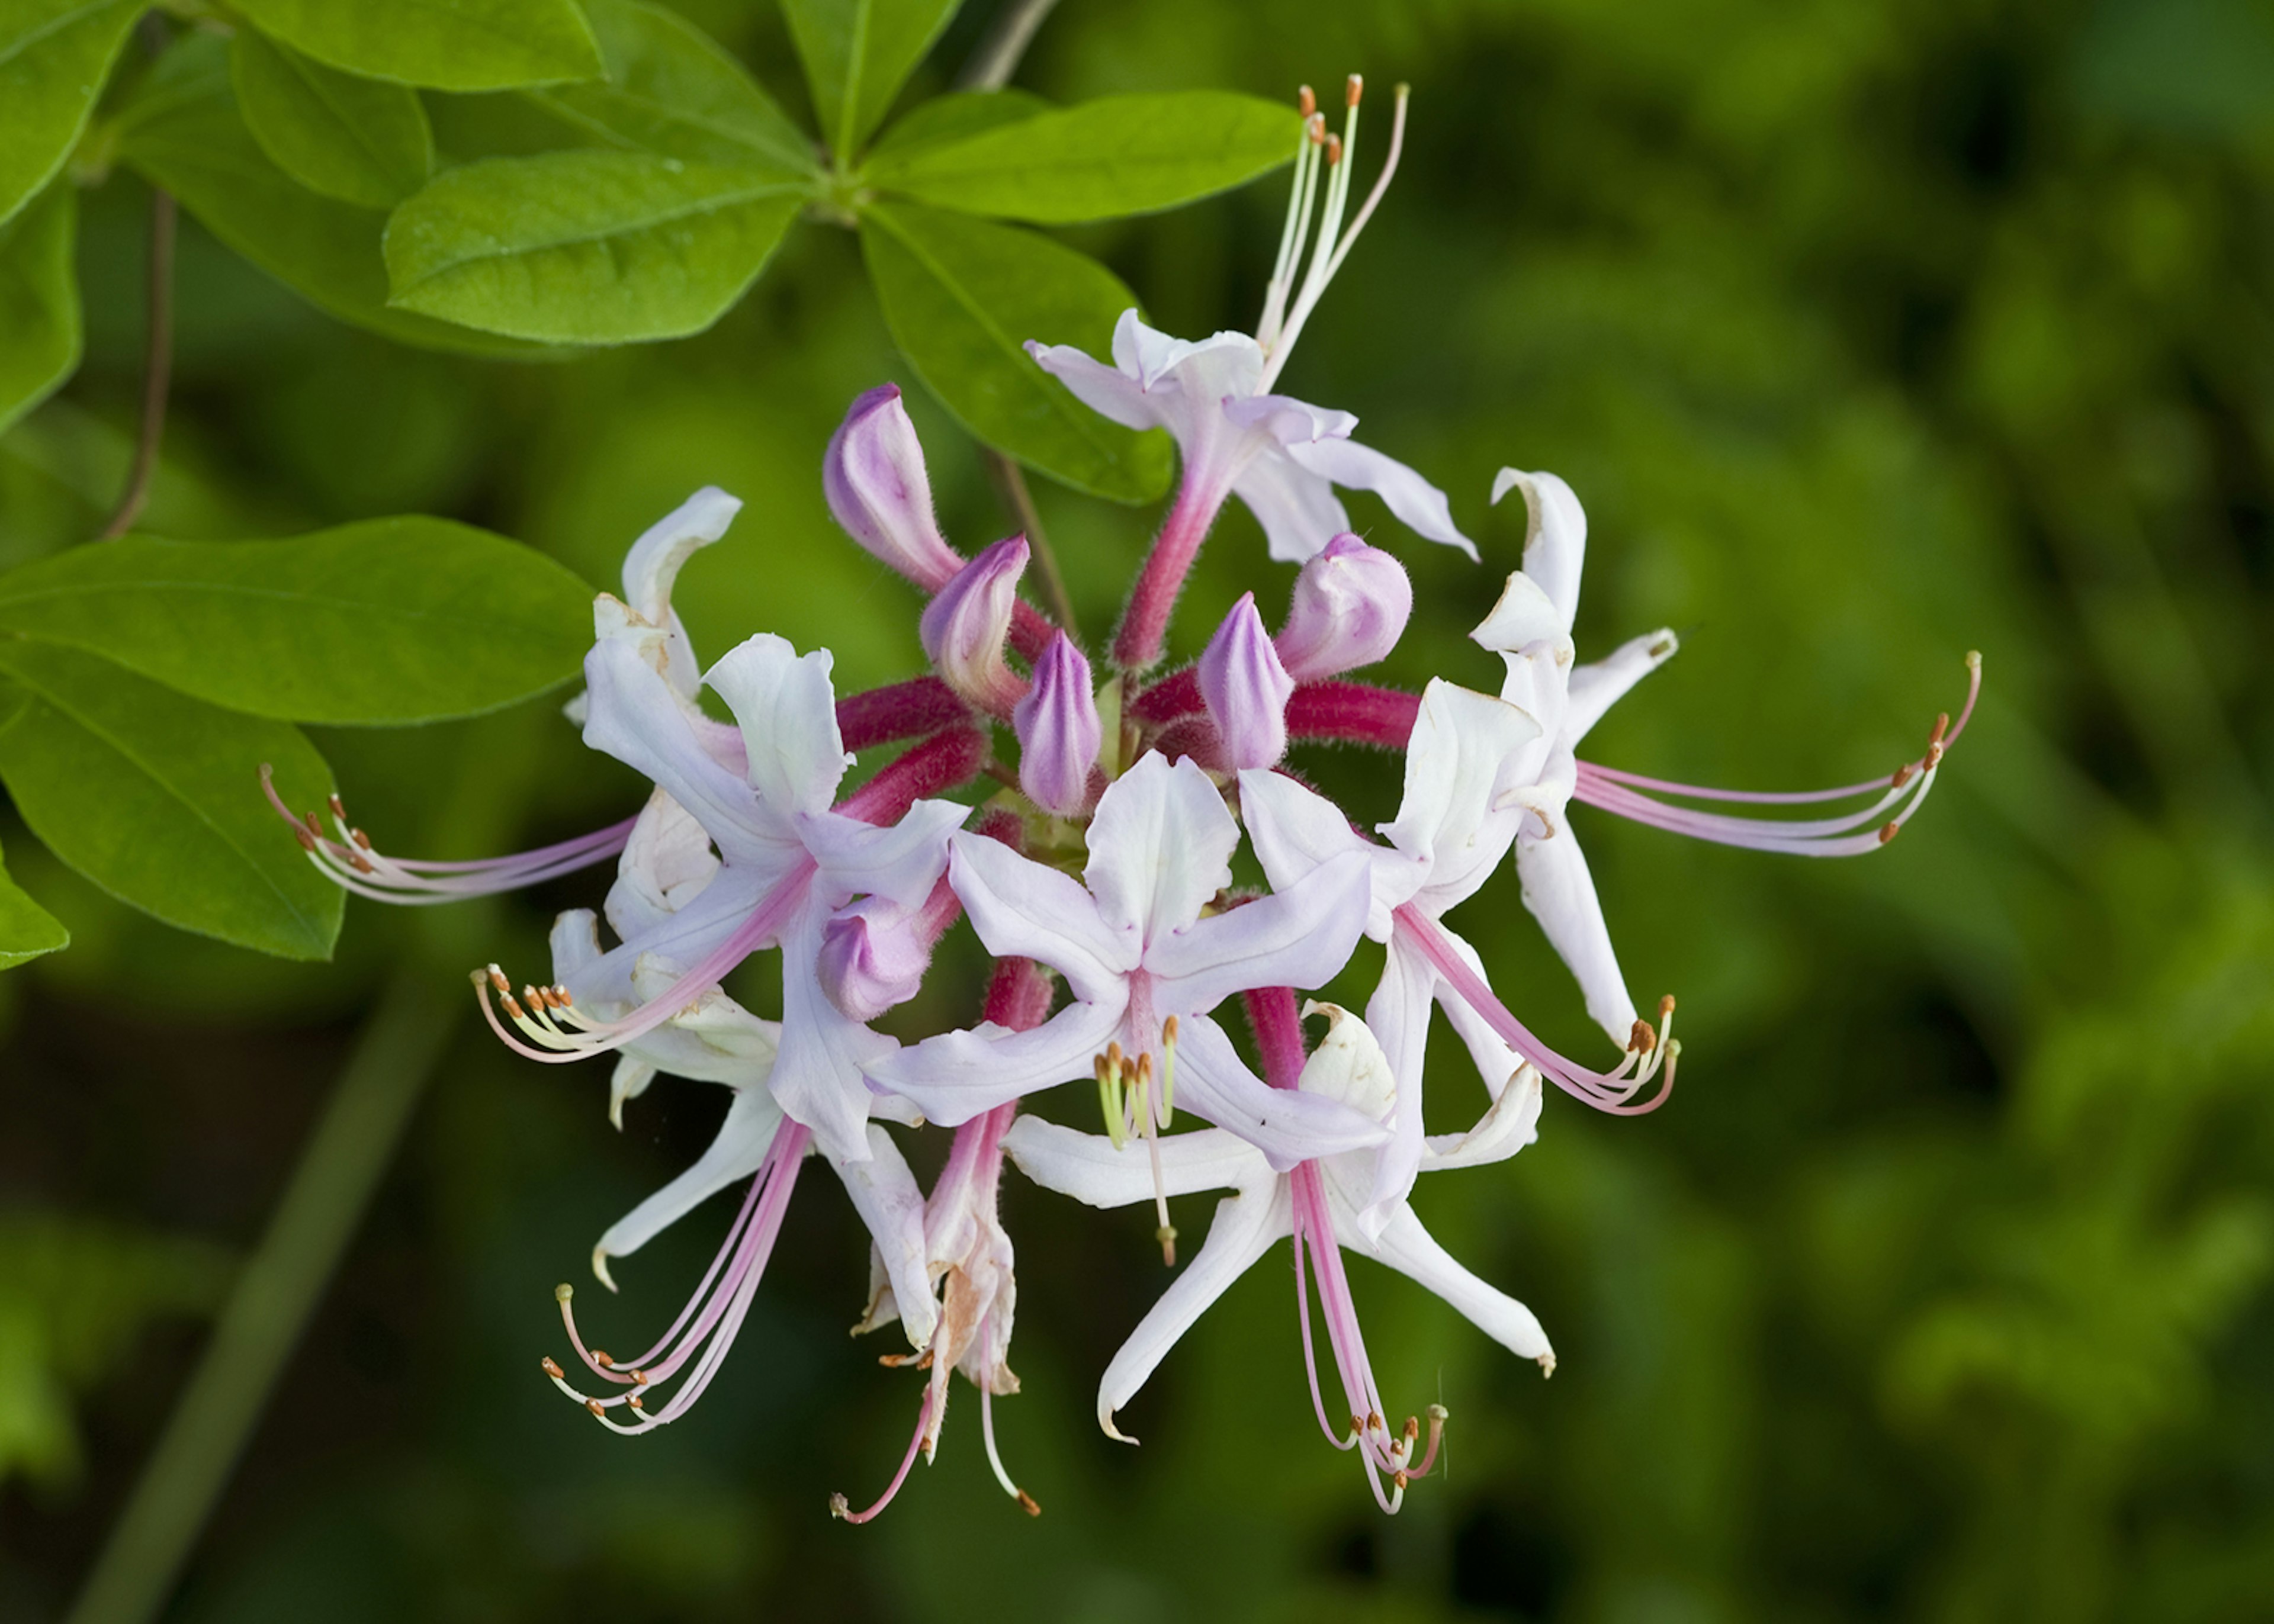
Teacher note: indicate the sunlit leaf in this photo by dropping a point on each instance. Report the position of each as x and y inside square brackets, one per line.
[857, 55]
[443, 44]
[157, 798]
[360, 140]
[587, 247]
[54, 57]
[39, 302]
[962, 294]
[671, 89]
[1118, 155]
[27, 930]
[386, 622]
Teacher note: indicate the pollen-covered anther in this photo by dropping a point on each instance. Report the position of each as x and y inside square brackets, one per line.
[339, 808]
[1315, 127]
[360, 839]
[1642, 1039]
[1888, 831]
[598, 1408]
[1901, 776]
[1352, 89]
[1028, 1504]
[636, 1402]
[603, 1360]
[497, 979]
[1334, 150]
[308, 841]
[553, 1369]
[1306, 103]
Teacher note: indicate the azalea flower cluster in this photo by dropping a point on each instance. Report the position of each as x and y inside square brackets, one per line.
[1096, 873]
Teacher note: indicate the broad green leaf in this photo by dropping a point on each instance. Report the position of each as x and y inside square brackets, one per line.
[54, 57]
[587, 247]
[386, 622]
[951, 119]
[442, 44]
[1118, 155]
[857, 55]
[157, 798]
[360, 140]
[27, 930]
[962, 296]
[39, 302]
[193, 142]
[671, 89]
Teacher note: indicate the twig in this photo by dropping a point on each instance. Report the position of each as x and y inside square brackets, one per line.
[157, 367]
[991, 68]
[345, 1159]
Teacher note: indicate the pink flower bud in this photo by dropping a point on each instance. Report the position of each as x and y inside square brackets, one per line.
[1245, 689]
[1350, 608]
[1059, 731]
[874, 476]
[964, 627]
[874, 954]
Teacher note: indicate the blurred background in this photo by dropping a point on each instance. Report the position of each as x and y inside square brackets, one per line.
[1869, 332]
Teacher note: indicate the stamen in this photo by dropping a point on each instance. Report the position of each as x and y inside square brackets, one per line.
[1306, 103]
[1327, 259]
[842, 1509]
[1026, 1502]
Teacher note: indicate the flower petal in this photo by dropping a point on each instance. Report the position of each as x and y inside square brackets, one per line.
[955, 1076]
[1413, 1252]
[818, 1075]
[1510, 1123]
[1496, 1062]
[1398, 1015]
[787, 710]
[742, 1144]
[667, 862]
[1298, 509]
[1160, 847]
[1086, 1167]
[1111, 394]
[1597, 687]
[635, 716]
[1459, 748]
[1295, 829]
[1421, 507]
[1555, 535]
[889, 1202]
[654, 564]
[900, 861]
[1301, 936]
[1224, 365]
[1023, 910]
[1286, 1125]
[1243, 1229]
[1560, 894]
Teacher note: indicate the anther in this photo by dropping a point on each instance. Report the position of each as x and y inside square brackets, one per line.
[553, 1370]
[1666, 1006]
[360, 839]
[597, 1407]
[1317, 129]
[1306, 103]
[1334, 150]
[1934, 755]
[1642, 1039]
[1028, 1504]
[1941, 727]
[1902, 776]
[497, 979]
[360, 863]
[339, 808]
[635, 1402]
[511, 1008]
[1354, 88]
[603, 1360]
[308, 841]
[314, 827]
[1399, 1479]
[1373, 1421]
[1888, 831]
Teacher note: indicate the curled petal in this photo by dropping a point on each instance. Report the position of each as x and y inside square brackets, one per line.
[964, 627]
[1421, 506]
[787, 710]
[874, 477]
[1555, 535]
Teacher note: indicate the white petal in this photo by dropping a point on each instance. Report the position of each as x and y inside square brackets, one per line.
[1555, 538]
[1221, 367]
[1022, 910]
[1294, 830]
[1560, 894]
[1160, 847]
[627, 1081]
[653, 565]
[743, 1140]
[1509, 1125]
[1596, 688]
[886, 1196]
[635, 717]
[787, 710]
[1301, 936]
[1523, 616]
[1110, 393]
[1286, 1125]
[1086, 1167]
[1459, 748]
[1298, 509]
[1421, 506]
[1398, 1015]
[1243, 1229]
[683, 939]
[665, 862]
[900, 862]
[817, 1073]
[955, 1076]
[1413, 1252]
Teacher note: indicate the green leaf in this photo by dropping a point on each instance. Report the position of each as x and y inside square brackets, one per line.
[1118, 155]
[386, 622]
[587, 247]
[952, 117]
[357, 139]
[54, 57]
[962, 294]
[671, 89]
[442, 44]
[39, 302]
[191, 141]
[157, 798]
[27, 930]
[857, 55]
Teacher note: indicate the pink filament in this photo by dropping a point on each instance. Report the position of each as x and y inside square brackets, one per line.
[907, 1461]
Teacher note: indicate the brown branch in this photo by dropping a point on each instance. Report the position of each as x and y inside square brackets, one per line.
[157, 367]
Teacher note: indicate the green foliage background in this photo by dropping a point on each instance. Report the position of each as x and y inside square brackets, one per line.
[1870, 331]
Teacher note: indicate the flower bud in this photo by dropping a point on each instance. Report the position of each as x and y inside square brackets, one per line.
[1058, 730]
[874, 954]
[874, 476]
[1245, 689]
[1350, 608]
[963, 627]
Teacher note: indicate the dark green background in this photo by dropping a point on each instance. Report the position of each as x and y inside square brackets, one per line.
[1870, 331]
